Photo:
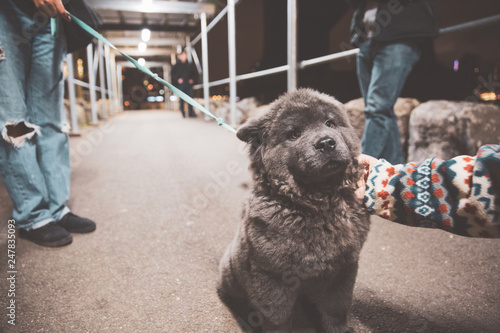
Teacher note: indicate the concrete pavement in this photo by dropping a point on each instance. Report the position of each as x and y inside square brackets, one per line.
[166, 194]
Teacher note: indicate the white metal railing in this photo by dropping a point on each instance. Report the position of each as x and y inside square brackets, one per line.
[110, 84]
[293, 65]
[211, 25]
[102, 62]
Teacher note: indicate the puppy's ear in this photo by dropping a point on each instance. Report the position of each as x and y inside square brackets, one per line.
[251, 132]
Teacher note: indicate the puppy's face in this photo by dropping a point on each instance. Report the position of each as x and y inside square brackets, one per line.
[306, 136]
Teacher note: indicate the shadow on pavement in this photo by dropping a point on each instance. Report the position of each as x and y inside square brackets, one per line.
[381, 317]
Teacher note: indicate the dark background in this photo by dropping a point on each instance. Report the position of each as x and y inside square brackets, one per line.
[323, 26]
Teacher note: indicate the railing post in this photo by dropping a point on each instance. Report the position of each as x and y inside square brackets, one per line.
[188, 49]
[101, 79]
[93, 102]
[196, 61]
[119, 83]
[232, 61]
[204, 51]
[292, 44]
[109, 79]
[72, 96]
[114, 74]
[166, 77]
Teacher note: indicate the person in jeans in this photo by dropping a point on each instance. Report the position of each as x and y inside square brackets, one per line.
[389, 34]
[183, 77]
[34, 145]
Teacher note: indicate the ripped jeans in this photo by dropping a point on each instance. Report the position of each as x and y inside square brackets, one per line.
[34, 148]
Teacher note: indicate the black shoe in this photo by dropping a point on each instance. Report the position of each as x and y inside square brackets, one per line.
[50, 235]
[76, 224]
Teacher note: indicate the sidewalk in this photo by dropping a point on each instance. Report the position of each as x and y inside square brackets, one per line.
[166, 194]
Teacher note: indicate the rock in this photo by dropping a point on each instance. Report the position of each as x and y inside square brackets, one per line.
[100, 113]
[214, 104]
[259, 111]
[249, 107]
[402, 109]
[221, 110]
[355, 111]
[245, 109]
[445, 129]
[84, 110]
[80, 112]
[218, 107]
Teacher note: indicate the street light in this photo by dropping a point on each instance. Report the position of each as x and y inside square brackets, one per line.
[142, 47]
[145, 35]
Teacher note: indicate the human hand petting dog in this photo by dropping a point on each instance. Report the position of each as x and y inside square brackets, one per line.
[367, 162]
[52, 8]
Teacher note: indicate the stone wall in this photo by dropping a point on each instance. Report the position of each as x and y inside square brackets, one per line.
[442, 129]
[446, 129]
[402, 109]
[245, 109]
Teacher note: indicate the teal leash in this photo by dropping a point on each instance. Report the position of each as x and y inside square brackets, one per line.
[54, 27]
[147, 71]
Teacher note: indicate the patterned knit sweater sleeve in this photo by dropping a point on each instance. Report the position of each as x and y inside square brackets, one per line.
[461, 195]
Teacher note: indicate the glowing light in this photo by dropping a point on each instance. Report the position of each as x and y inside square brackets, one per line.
[142, 47]
[456, 65]
[150, 86]
[127, 103]
[489, 96]
[148, 5]
[141, 61]
[80, 70]
[65, 69]
[155, 99]
[145, 35]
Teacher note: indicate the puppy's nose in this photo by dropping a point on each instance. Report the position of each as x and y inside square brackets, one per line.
[325, 145]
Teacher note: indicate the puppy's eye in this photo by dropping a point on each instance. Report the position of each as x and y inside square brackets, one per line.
[330, 123]
[294, 135]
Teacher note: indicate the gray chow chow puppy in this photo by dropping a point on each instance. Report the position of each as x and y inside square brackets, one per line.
[303, 227]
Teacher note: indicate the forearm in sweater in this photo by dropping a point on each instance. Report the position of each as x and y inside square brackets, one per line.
[458, 195]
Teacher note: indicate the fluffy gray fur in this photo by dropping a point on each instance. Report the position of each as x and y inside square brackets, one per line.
[303, 227]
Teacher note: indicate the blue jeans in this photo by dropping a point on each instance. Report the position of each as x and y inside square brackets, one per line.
[382, 72]
[34, 148]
